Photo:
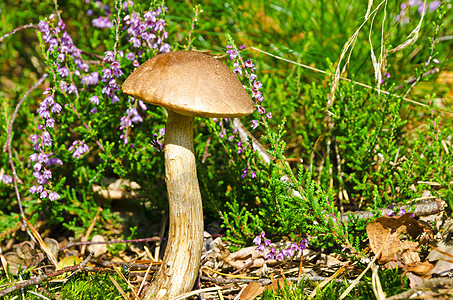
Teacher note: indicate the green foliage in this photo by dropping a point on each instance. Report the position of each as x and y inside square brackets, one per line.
[81, 285]
[370, 148]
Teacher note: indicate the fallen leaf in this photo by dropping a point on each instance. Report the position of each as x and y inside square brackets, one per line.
[251, 291]
[68, 261]
[397, 234]
[246, 257]
[421, 268]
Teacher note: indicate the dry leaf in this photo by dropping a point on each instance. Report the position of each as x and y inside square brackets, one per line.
[249, 257]
[24, 257]
[396, 228]
[421, 268]
[68, 261]
[251, 291]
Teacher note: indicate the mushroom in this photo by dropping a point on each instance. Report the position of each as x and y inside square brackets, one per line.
[188, 84]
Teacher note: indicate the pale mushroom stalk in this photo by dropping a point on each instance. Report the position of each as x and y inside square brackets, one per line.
[187, 84]
[185, 237]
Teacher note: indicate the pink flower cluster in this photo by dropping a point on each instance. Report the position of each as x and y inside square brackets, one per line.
[265, 245]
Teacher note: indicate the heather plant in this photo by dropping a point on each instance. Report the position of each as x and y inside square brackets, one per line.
[362, 153]
[82, 132]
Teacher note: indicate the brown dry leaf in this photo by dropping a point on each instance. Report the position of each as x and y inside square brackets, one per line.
[251, 291]
[24, 257]
[246, 257]
[421, 268]
[396, 228]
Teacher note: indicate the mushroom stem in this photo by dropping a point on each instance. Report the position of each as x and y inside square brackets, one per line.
[181, 260]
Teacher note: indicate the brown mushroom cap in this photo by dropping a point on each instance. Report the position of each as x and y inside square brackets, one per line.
[190, 83]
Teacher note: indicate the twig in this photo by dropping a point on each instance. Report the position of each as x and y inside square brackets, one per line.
[192, 293]
[266, 281]
[413, 79]
[244, 135]
[8, 143]
[18, 29]
[421, 209]
[152, 239]
[433, 283]
[136, 266]
[90, 229]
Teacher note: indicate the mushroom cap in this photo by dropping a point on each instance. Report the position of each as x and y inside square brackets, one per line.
[190, 83]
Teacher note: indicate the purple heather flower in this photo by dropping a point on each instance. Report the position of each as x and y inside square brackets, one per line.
[269, 256]
[244, 174]
[39, 189]
[43, 194]
[72, 89]
[63, 71]
[279, 256]
[130, 56]
[46, 138]
[257, 240]
[102, 22]
[164, 48]
[56, 108]
[233, 54]
[47, 174]
[37, 166]
[238, 71]
[106, 75]
[435, 60]
[108, 56]
[54, 161]
[261, 248]
[33, 189]
[34, 156]
[257, 85]
[248, 63]
[50, 122]
[53, 196]
[94, 100]
[303, 244]
[261, 110]
[269, 115]
[255, 124]
[267, 243]
[7, 179]
[42, 157]
[34, 138]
